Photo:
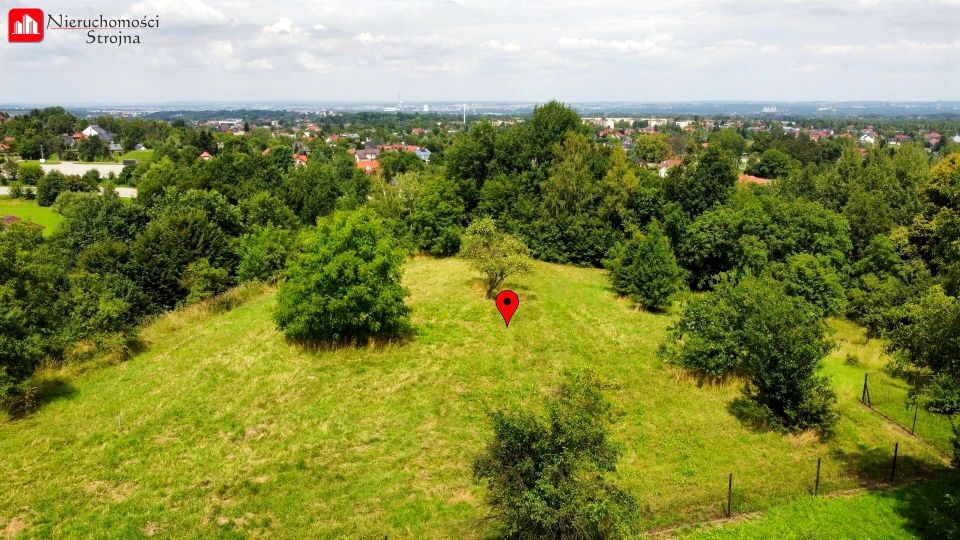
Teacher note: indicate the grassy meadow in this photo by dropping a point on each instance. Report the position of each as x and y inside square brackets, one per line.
[895, 513]
[220, 428]
[30, 211]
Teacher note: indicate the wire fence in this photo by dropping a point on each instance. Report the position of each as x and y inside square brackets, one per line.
[890, 397]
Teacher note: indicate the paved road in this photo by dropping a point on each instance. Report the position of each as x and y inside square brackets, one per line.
[125, 192]
[70, 167]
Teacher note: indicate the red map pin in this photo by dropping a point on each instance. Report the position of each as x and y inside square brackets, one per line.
[507, 302]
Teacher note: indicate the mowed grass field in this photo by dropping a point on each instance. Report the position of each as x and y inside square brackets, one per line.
[220, 428]
[31, 211]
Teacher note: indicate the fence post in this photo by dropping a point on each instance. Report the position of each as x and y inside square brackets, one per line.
[865, 396]
[816, 485]
[729, 493]
[893, 469]
[916, 408]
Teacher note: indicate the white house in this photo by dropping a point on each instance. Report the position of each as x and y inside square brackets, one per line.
[101, 133]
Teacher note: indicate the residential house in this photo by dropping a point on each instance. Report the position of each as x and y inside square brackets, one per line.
[668, 164]
[114, 147]
[4, 148]
[368, 165]
[418, 131]
[95, 130]
[867, 139]
[206, 156]
[299, 160]
[68, 140]
[932, 138]
[366, 154]
[139, 147]
[333, 139]
[423, 153]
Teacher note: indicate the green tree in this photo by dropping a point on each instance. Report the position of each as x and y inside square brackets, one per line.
[49, 187]
[394, 163]
[815, 280]
[92, 149]
[645, 269]
[704, 184]
[651, 147]
[436, 219]
[496, 255]
[729, 140]
[343, 285]
[774, 164]
[202, 280]
[776, 341]
[547, 476]
[929, 341]
[263, 253]
[29, 173]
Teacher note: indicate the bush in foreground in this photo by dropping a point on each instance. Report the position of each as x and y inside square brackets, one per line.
[774, 340]
[344, 283]
[547, 477]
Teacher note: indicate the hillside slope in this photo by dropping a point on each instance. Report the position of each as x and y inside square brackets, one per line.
[225, 429]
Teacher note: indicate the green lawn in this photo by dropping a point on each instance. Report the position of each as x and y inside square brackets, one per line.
[227, 430]
[142, 156]
[896, 513]
[30, 211]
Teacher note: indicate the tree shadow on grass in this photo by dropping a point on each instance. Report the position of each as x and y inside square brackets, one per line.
[40, 390]
[926, 508]
[872, 467]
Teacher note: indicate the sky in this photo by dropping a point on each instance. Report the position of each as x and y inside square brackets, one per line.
[493, 50]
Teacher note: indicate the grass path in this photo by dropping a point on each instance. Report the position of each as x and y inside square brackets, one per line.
[227, 430]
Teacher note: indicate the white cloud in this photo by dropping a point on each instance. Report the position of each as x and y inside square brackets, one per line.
[503, 49]
[196, 12]
[497, 45]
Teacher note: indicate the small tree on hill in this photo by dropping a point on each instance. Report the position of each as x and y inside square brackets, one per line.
[645, 269]
[548, 477]
[344, 284]
[494, 254]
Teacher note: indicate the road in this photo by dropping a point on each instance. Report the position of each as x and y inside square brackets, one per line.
[71, 167]
[125, 192]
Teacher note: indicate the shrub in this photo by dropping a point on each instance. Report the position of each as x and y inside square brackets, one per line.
[645, 269]
[29, 173]
[344, 282]
[494, 254]
[49, 187]
[547, 476]
[774, 340]
[263, 253]
[203, 280]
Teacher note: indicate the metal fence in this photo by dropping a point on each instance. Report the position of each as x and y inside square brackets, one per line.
[889, 397]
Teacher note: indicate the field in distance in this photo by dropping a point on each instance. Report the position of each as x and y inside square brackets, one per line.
[220, 427]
